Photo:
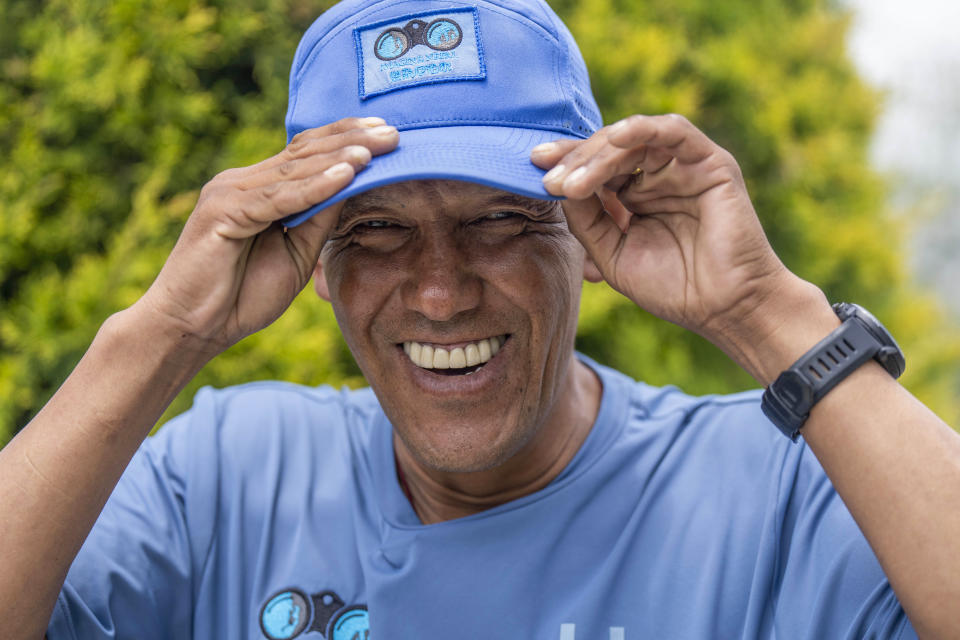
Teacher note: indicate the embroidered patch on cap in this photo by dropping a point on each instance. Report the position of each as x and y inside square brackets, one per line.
[422, 48]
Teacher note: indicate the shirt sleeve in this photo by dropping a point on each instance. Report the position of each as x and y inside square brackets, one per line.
[830, 583]
[133, 576]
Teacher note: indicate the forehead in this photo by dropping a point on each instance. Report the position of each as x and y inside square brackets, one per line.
[439, 196]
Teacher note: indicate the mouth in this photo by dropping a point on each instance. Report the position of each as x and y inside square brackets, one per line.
[462, 359]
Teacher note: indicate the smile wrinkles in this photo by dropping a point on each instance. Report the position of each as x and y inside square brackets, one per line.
[471, 355]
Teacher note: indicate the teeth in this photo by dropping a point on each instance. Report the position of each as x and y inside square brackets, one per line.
[426, 357]
[472, 355]
[483, 350]
[475, 353]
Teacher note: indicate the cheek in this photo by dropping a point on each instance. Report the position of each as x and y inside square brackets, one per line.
[547, 269]
[359, 287]
[543, 276]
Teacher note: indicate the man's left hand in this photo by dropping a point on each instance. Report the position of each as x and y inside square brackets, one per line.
[664, 214]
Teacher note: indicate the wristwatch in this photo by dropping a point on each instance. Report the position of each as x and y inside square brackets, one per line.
[788, 401]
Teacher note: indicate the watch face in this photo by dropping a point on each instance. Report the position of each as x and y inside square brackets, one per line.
[891, 356]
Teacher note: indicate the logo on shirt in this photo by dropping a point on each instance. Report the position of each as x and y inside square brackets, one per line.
[291, 612]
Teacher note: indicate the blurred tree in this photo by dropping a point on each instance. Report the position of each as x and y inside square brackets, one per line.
[114, 112]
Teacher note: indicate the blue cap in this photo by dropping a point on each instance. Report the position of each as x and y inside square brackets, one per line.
[472, 88]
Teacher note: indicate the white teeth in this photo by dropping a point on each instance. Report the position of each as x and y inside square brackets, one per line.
[472, 355]
[475, 353]
[458, 359]
[426, 357]
[484, 350]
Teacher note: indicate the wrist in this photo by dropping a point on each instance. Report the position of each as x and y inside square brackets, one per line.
[793, 318]
[138, 329]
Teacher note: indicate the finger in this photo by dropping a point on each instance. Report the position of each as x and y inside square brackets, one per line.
[596, 230]
[242, 214]
[306, 240]
[340, 126]
[357, 155]
[595, 162]
[612, 166]
[378, 140]
[547, 155]
[572, 159]
[607, 164]
[686, 205]
[670, 132]
[321, 139]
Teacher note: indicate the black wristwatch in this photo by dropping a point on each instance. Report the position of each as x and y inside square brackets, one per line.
[788, 401]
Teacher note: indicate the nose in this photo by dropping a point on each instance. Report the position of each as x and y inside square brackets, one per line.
[441, 283]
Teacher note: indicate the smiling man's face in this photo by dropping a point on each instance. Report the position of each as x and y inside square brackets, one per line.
[459, 303]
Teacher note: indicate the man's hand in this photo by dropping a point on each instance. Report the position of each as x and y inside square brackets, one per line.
[235, 268]
[233, 271]
[664, 214]
[681, 240]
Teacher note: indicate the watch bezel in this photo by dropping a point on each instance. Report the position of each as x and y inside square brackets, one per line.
[890, 355]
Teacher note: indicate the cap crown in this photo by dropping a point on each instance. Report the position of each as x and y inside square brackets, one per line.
[518, 67]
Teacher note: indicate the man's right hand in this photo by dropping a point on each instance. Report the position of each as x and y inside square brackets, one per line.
[235, 268]
[233, 271]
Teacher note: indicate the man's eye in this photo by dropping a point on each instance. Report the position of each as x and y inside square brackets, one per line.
[502, 215]
[373, 224]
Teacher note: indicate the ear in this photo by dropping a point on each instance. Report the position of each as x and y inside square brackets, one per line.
[320, 282]
[590, 271]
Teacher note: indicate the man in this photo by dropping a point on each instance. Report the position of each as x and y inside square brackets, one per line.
[492, 483]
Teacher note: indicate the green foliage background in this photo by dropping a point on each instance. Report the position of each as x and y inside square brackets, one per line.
[113, 113]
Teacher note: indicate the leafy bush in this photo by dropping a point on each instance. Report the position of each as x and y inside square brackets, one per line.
[114, 112]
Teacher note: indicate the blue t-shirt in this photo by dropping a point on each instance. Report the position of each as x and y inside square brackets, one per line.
[274, 511]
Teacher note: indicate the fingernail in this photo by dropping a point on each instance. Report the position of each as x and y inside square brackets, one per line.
[360, 155]
[546, 147]
[617, 127]
[339, 170]
[576, 176]
[384, 131]
[372, 122]
[554, 173]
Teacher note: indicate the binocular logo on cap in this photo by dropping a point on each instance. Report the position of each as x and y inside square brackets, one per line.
[441, 34]
[416, 49]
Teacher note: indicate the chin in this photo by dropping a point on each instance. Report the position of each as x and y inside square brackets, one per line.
[462, 448]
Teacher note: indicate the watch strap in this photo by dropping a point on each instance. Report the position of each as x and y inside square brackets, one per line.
[788, 401]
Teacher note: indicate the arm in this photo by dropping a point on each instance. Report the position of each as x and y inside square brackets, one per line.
[681, 239]
[233, 271]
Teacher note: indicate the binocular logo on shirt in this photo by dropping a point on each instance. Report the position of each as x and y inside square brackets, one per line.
[290, 612]
[441, 34]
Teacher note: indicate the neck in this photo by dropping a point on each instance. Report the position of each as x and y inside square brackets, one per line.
[438, 496]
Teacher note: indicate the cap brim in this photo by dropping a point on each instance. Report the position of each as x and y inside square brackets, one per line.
[490, 155]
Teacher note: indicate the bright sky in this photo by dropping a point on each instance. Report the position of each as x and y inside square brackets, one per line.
[912, 51]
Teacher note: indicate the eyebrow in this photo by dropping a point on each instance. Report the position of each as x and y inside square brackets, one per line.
[541, 207]
[361, 204]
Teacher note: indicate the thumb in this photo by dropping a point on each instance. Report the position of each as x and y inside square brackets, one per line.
[596, 230]
[308, 237]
